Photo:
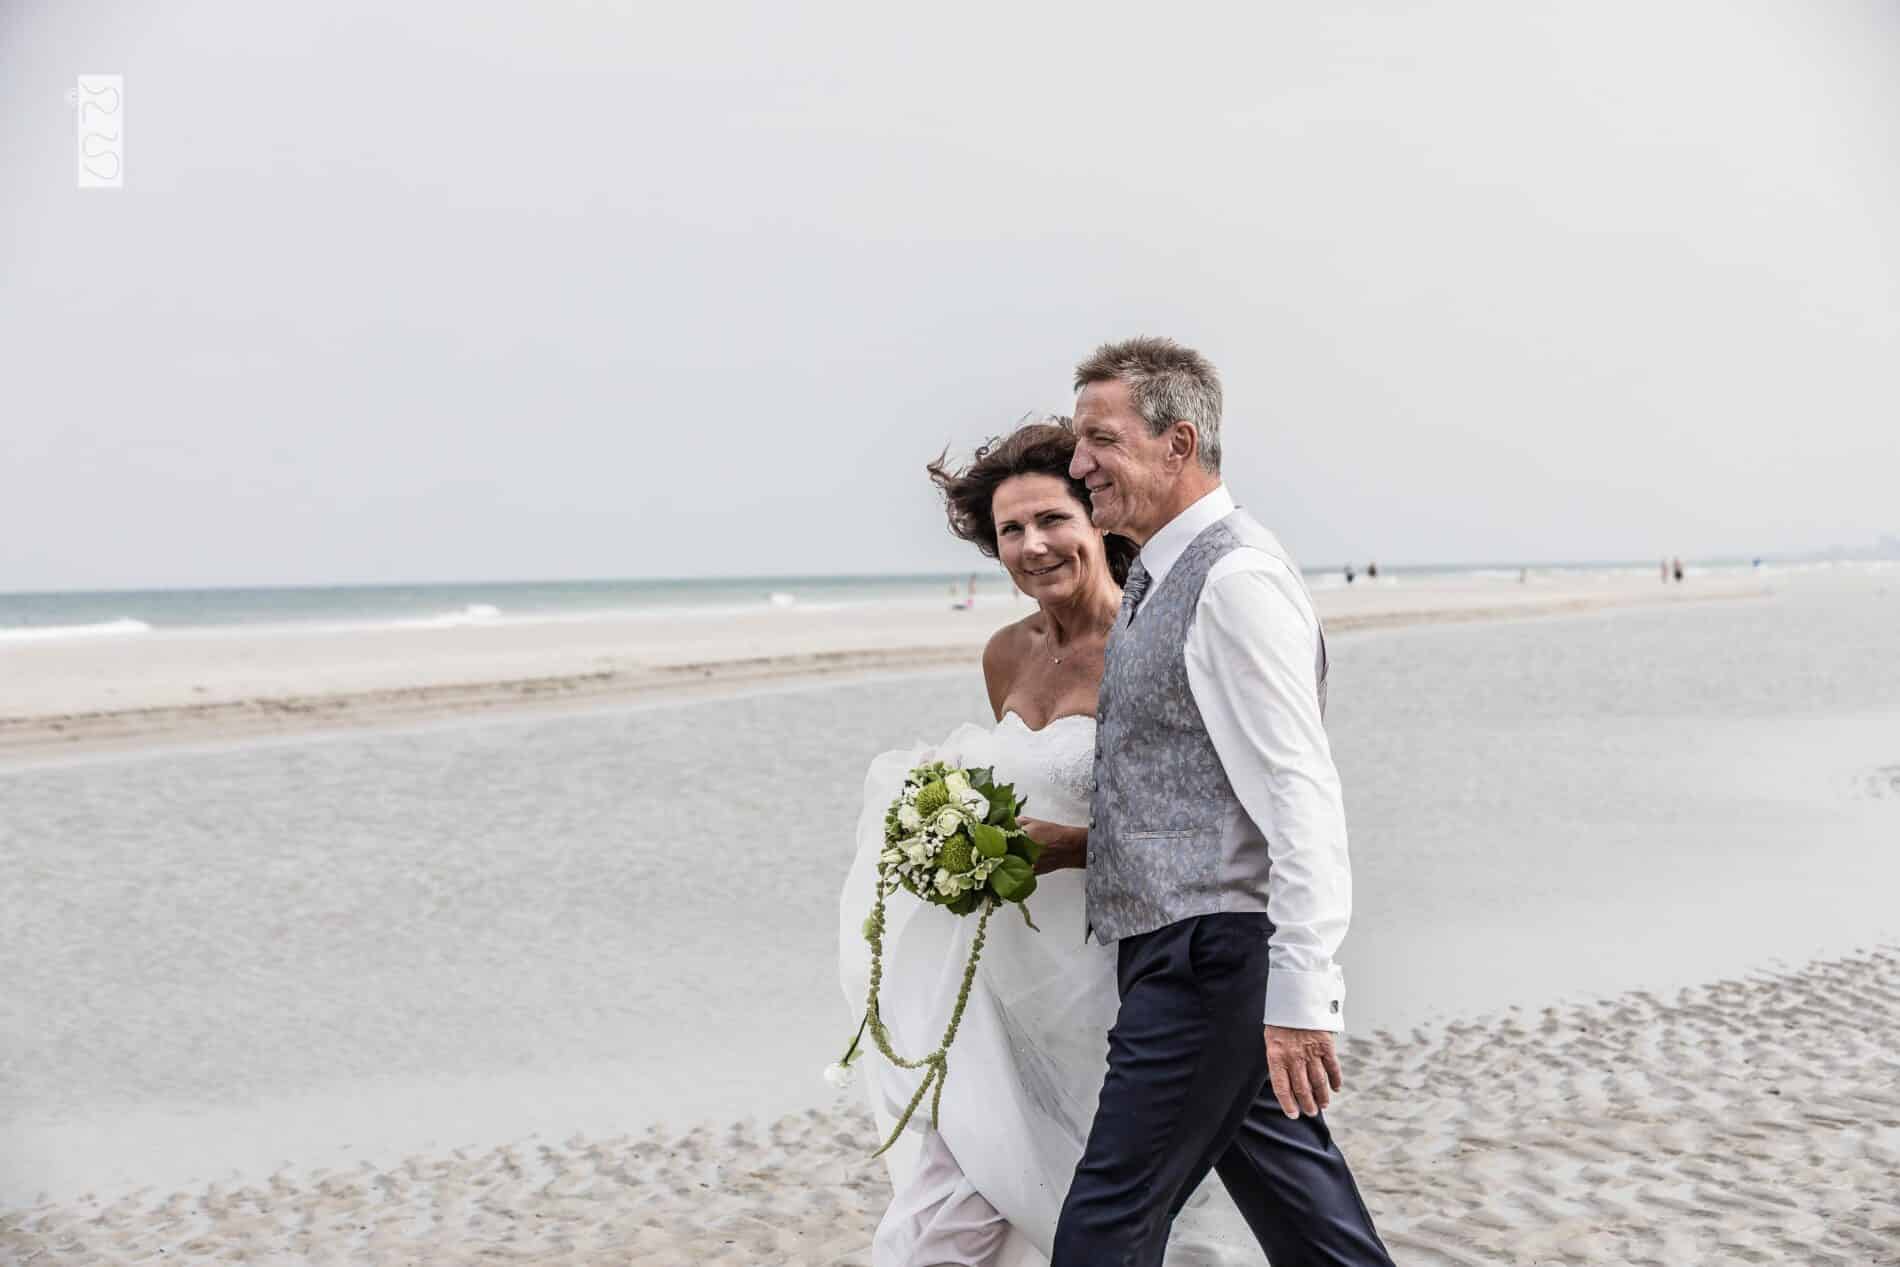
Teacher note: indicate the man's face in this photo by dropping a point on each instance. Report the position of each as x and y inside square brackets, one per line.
[1129, 471]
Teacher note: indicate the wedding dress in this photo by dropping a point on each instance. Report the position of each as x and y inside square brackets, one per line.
[984, 1188]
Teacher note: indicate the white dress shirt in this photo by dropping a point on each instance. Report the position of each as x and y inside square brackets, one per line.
[1251, 653]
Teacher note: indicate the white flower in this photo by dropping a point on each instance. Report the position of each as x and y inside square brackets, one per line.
[948, 820]
[975, 804]
[909, 819]
[917, 851]
[956, 782]
[839, 1075]
[890, 857]
[946, 883]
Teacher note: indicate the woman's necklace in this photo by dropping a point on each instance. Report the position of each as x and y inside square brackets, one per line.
[1057, 659]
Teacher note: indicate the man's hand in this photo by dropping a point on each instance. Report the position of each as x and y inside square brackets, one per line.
[1062, 847]
[1303, 1069]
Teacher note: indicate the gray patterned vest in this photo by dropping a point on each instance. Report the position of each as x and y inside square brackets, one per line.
[1168, 839]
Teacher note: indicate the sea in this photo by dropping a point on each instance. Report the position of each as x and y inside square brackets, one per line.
[262, 610]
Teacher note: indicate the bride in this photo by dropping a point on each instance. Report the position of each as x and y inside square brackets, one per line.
[984, 1187]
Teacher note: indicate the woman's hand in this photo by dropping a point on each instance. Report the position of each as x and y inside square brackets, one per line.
[1062, 847]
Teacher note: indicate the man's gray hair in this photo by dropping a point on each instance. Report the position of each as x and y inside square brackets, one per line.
[1169, 384]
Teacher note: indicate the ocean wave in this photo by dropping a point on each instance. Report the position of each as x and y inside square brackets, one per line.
[54, 633]
[472, 614]
[785, 604]
[487, 615]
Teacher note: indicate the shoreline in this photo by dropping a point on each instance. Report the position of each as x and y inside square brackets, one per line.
[691, 659]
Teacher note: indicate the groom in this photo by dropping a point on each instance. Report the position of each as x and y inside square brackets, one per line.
[1216, 852]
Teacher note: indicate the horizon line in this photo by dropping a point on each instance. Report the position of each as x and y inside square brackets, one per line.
[935, 575]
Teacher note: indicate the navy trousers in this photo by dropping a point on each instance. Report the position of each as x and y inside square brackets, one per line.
[1187, 1092]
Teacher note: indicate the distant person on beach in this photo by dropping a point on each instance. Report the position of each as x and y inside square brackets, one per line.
[1208, 675]
[1372, 571]
[1351, 575]
[1678, 569]
[1665, 571]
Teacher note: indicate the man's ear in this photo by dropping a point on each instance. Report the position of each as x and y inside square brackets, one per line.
[1183, 442]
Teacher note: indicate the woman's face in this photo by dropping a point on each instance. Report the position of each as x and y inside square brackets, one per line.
[1044, 537]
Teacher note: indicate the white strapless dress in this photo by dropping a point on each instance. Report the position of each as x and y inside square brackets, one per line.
[985, 1187]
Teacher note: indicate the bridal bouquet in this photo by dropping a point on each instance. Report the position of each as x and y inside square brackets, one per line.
[950, 839]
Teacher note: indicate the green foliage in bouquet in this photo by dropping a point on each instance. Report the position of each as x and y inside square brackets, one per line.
[951, 839]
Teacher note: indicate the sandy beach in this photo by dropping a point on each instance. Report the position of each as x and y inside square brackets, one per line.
[501, 977]
[210, 685]
[1640, 1130]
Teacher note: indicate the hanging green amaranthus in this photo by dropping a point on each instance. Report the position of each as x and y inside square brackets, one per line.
[950, 839]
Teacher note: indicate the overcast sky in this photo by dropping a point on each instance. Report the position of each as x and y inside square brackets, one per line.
[454, 290]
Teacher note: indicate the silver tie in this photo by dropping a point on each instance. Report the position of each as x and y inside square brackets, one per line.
[1136, 589]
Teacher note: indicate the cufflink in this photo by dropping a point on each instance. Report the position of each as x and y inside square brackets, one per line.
[1335, 1007]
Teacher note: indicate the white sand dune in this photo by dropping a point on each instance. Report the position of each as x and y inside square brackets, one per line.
[1746, 1122]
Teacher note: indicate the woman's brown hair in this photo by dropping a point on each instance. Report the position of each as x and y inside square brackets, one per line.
[1035, 448]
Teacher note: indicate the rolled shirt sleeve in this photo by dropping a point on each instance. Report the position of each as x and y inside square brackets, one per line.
[1251, 655]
